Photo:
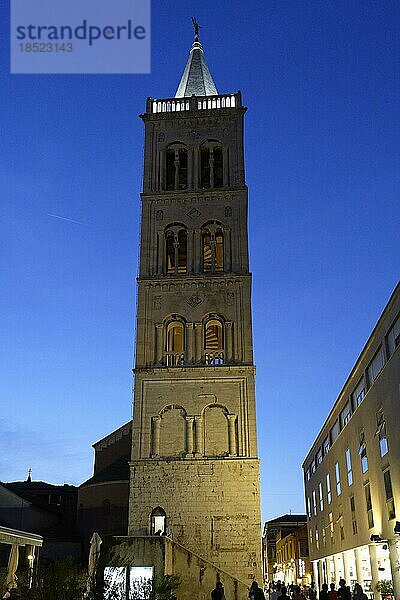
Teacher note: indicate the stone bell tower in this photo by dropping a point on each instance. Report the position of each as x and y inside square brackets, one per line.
[194, 467]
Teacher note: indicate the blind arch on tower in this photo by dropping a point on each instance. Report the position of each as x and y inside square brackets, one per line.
[172, 431]
[216, 430]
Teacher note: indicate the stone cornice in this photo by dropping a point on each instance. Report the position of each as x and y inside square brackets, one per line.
[183, 282]
[190, 196]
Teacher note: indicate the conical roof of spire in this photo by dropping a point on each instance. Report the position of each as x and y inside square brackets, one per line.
[196, 79]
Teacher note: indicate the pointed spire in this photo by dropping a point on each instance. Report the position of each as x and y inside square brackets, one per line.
[196, 79]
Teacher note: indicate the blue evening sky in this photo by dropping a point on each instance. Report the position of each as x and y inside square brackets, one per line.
[321, 80]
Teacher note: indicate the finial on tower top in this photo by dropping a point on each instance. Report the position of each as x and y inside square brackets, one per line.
[196, 28]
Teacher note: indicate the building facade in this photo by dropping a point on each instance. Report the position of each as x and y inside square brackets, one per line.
[194, 467]
[103, 499]
[352, 472]
[274, 529]
[292, 558]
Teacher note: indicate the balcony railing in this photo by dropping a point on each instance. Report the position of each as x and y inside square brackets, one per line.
[174, 359]
[214, 358]
[154, 105]
[177, 359]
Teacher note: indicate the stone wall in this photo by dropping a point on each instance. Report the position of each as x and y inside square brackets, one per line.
[212, 508]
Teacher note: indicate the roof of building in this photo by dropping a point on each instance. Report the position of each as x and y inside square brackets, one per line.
[196, 79]
[114, 436]
[117, 471]
[20, 486]
[288, 518]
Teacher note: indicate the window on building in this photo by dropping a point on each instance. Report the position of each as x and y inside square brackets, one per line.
[323, 537]
[381, 433]
[318, 458]
[176, 168]
[345, 414]
[213, 248]
[334, 431]
[314, 502]
[321, 497]
[368, 503]
[375, 366]
[312, 467]
[328, 489]
[211, 166]
[308, 507]
[389, 495]
[337, 476]
[331, 528]
[358, 393]
[303, 546]
[55, 499]
[393, 337]
[326, 445]
[353, 514]
[213, 342]
[176, 250]
[316, 539]
[341, 527]
[106, 506]
[362, 453]
[349, 468]
[175, 345]
[307, 475]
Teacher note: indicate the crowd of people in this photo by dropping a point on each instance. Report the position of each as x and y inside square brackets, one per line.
[279, 591]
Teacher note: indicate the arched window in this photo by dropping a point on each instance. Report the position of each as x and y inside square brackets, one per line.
[213, 248]
[158, 521]
[213, 342]
[211, 165]
[106, 505]
[176, 167]
[176, 249]
[175, 343]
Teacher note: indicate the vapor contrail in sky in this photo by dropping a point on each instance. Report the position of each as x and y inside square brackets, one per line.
[65, 219]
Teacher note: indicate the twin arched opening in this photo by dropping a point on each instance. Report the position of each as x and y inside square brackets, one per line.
[176, 248]
[209, 160]
[199, 343]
